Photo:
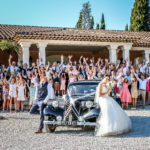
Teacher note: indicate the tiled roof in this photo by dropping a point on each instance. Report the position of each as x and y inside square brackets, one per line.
[17, 32]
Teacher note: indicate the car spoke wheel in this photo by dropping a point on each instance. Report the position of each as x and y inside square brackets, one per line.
[49, 127]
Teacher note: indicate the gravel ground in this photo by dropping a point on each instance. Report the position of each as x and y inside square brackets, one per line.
[17, 133]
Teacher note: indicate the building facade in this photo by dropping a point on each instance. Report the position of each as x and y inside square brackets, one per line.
[46, 42]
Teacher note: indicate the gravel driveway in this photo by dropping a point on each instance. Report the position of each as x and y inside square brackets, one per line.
[17, 132]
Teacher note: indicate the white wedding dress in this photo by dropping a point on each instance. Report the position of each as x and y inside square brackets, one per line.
[112, 119]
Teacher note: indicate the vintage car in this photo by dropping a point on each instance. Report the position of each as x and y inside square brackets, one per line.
[79, 108]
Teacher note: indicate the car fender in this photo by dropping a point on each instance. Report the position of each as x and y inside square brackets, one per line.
[94, 112]
[50, 110]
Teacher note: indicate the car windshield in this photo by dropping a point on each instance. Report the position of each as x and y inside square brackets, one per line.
[82, 89]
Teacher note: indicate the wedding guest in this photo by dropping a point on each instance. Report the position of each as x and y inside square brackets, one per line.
[56, 81]
[13, 93]
[50, 85]
[98, 77]
[80, 77]
[1, 93]
[21, 94]
[71, 78]
[125, 94]
[63, 84]
[12, 65]
[5, 95]
[142, 87]
[134, 91]
[148, 92]
[31, 94]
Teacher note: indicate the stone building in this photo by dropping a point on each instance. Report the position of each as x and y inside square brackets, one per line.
[43, 42]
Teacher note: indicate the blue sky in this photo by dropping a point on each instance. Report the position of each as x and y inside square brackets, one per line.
[64, 13]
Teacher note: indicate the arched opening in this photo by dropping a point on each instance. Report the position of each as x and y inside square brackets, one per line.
[5, 56]
[33, 53]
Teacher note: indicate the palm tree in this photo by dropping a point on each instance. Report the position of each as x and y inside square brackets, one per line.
[10, 46]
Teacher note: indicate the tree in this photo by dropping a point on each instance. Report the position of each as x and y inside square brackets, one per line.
[86, 16]
[92, 23]
[139, 16]
[79, 23]
[126, 27]
[102, 22]
[97, 26]
[10, 46]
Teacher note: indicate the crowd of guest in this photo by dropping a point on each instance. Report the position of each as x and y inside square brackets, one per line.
[18, 83]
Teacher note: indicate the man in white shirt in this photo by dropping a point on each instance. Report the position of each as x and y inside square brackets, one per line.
[142, 87]
[12, 65]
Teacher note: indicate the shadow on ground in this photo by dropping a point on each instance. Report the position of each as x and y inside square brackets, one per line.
[140, 128]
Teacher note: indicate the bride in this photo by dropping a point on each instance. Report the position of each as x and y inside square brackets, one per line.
[112, 119]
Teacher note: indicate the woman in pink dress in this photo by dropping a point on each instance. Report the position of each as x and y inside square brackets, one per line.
[125, 94]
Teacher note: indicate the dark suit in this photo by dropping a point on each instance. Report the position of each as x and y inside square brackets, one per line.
[40, 96]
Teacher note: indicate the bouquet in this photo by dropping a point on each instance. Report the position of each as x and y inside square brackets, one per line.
[110, 85]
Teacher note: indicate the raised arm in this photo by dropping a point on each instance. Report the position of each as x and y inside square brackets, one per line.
[80, 60]
[70, 56]
[9, 60]
[47, 67]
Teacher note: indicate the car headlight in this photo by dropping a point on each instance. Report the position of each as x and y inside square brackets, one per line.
[55, 104]
[89, 104]
[59, 118]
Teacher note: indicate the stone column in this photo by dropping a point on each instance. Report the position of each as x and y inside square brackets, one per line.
[25, 51]
[126, 52]
[147, 53]
[113, 53]
[42, 52]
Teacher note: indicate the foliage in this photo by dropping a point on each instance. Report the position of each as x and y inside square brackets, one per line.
[92, 23]
[126, 27]
[11, 46]
[86, 16]
[102, 22]
[79, 23]
[97, 26]
[139, 16]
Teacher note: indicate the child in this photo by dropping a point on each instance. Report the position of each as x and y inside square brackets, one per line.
[50, 84]
[125, 94]
[13, 93]
[134, 92]
[5, 95]
[63, 84]
[32, 94]
[71, 78]
[56, 83]
[21, 92]
[33, 79]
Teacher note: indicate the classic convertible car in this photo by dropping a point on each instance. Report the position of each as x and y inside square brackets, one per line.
[79, 107]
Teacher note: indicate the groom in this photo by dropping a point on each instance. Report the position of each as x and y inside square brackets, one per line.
[42, 94]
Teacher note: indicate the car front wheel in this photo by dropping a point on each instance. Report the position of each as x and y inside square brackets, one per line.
[49, 127]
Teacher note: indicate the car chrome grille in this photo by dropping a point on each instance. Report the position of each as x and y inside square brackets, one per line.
[68, 111]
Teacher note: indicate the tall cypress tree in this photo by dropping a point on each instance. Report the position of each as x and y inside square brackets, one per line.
[102, 22]
[79, 23]
[86, 15]
[126, 27]
[97, 26]
[92, 23]
[139, 16]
